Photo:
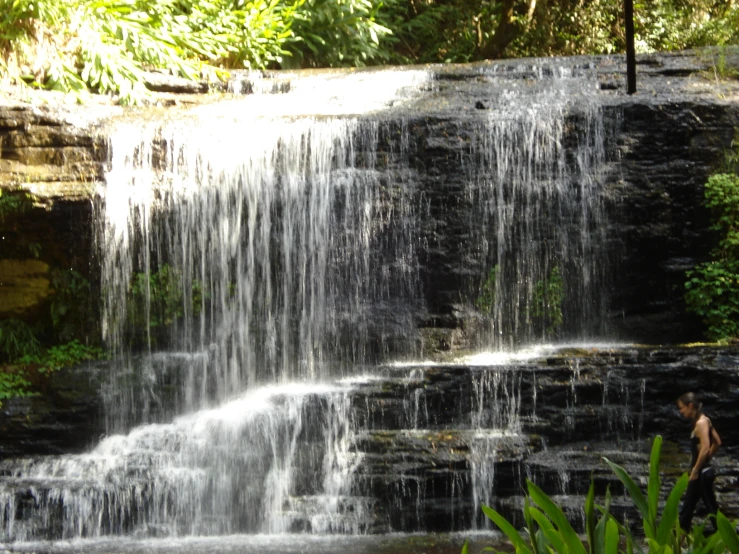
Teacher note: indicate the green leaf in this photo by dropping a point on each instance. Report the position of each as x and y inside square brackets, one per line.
[630, 542]
[670, 510]
[728, 533]
[612, 537]
[631, 487]
[714, 542]
[574, 545]
[537, 538]
[654, 483]
[552, 535]
[507, 528]
[590, 516]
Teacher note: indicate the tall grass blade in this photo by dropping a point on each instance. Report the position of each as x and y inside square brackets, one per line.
[630, 542]
[590, 516]
[713, 543]
[669, 512]
[538, 541]
[654, 480]
[508, 529]
[552, 535]
[728, 533]
[612, 537]
[574, 545]
[631, 487]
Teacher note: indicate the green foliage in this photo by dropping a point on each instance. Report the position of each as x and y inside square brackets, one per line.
[70, 303]
[337, 33]
[17, 339]
[486, 299]
[661, 532]
[63, 355]
[721, 67]
[568, 28]
[731, 156]
[722, 197]
[438, 31]
[728, 533]
[547, 301]
[107, 45]
[14, 203]
[14, 385]
[159, 297]
[712, 288]
[14, 381]
[712, 292]
[550, 532]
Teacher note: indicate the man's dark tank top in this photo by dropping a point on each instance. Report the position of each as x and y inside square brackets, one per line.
[695, 444]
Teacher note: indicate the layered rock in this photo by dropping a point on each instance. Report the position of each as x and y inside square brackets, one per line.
[662, 144]
[418, 448]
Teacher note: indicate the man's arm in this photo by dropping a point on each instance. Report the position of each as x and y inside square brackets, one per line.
[701, 431]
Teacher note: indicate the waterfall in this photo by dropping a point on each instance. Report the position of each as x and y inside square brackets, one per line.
[537, 189]
[259, 254]
[258, 249]
[232, 469]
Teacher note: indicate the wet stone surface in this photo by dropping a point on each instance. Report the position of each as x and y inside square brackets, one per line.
[427, 444]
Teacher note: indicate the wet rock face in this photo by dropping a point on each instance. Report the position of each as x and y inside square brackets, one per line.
[661, 228]
[440, 441]
[52, 152]
[420, 448]
[661, 145]
[426, 464]
[25, 283]
[66, 416]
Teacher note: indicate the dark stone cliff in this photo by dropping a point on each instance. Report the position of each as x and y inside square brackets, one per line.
[664, 141]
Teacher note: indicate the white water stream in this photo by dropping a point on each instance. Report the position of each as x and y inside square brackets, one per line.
[253, 248]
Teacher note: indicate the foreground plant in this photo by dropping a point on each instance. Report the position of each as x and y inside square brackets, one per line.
[662, 531]
[549, 530]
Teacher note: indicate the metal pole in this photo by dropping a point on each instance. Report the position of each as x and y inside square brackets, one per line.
[630, 51]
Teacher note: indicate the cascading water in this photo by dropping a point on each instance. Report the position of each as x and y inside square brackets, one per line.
[538, 190]
[221, 471]
[269, 247]
[258, 243]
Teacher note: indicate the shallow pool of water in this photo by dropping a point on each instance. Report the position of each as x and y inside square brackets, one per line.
[271, 544]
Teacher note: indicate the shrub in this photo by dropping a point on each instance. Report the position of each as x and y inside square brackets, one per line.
[63, 355]
[712, 288]
[547, 302]
[17, 339]
[107, 45]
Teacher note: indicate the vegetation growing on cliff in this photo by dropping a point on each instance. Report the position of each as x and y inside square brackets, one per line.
[55, 299]
[157, 302]
[107, 45]
[546, 308]
[485, 300]
[23, 359]
[712, 288]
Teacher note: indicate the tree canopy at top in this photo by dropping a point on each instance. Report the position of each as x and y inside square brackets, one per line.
[107, 45]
